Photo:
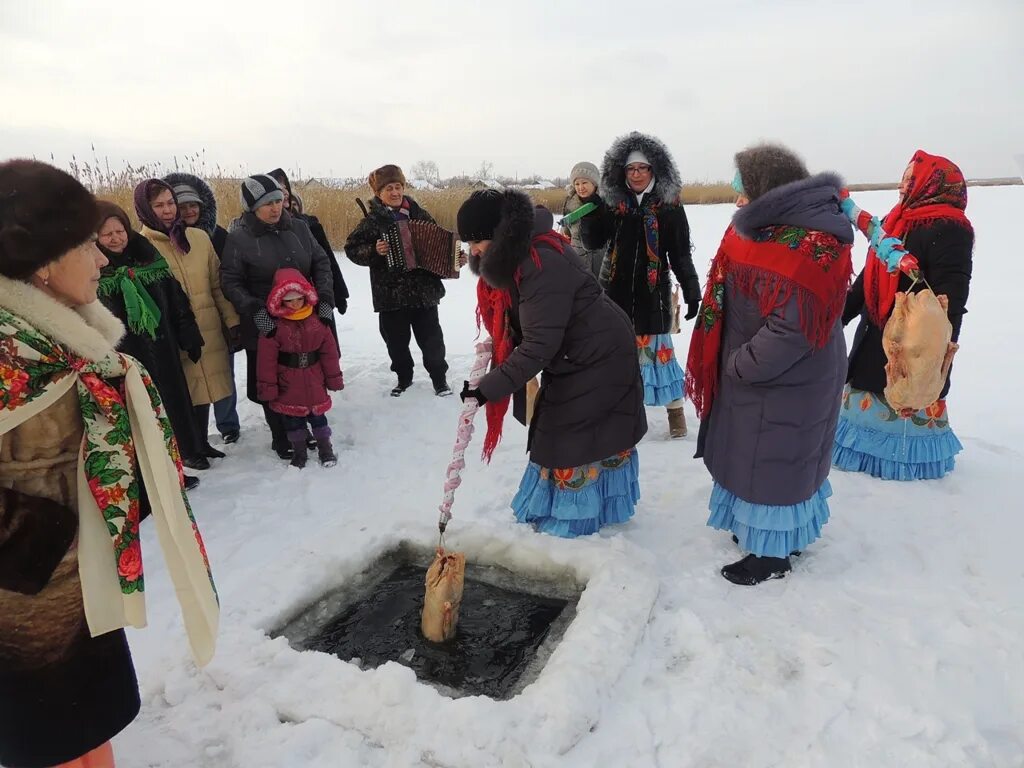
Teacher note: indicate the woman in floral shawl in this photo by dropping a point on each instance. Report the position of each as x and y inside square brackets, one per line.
[767, 360]
[82, 428]
[930, 219]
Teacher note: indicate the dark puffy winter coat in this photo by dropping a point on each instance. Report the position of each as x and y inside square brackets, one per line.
[768, 438]
[943, 250]
[341, 294]
[207, 208]
[618, 224]
[177, 332]
[254, 253]
[286, 388]
[591, 402]
[415, 289]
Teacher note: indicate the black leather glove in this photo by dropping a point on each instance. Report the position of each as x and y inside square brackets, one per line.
[692, 308]
[342, 306]
[476, 394]
[194, 354]
[264, 322]
[325, 312]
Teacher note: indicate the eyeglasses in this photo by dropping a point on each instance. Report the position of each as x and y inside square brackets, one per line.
[638, 169]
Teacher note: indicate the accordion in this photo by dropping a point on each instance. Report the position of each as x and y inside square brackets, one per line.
[422, 245]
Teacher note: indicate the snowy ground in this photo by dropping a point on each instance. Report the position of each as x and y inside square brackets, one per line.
[897, 641]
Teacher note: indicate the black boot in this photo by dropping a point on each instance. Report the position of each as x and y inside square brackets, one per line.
[297, 438]
[212, 453]
[323, 447]
[310, 440]
[196, 462]
[191, 481]
[752, 570]
[400, 388]
[282, 448]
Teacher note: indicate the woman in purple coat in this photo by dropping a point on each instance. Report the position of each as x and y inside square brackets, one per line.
[767, 361]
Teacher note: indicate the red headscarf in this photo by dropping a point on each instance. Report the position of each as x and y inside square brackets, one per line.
[493, 309]
[937, 191]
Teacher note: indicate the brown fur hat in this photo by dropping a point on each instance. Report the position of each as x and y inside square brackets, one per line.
[766, 166]
[386, 174]
[44, 213]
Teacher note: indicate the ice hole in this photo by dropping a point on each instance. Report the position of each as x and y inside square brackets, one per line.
[509, 624]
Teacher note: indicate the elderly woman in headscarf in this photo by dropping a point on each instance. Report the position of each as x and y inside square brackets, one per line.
[84, 445]
[190, 255]
[138, 287]
[930, 218]
[767, 360]
[197, 207]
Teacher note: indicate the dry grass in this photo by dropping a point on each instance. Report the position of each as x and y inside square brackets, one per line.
[338, 212]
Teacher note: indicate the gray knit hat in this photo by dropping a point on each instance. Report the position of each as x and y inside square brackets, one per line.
[185, 193]
[767, 166]
[587, 171]
[258, 191]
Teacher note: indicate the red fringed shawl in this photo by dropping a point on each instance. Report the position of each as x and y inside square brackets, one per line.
[937, 191]
[493, 311]
[782, 262]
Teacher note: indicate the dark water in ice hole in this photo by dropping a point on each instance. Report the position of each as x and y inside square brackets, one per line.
[499, 632]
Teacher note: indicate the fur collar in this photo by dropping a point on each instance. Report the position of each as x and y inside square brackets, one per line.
[90, 331]
[510, 244]
[811, 203]
[667, 184]
[207, 208]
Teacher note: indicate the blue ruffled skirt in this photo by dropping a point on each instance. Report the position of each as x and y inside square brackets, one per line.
[580, 500]
[659, 369]
[872, 438]
[770, 530]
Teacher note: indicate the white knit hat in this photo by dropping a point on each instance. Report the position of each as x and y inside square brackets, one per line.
[636, 156]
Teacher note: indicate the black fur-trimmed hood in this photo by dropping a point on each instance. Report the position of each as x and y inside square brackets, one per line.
[510, 244]
[207, 208]
[667, 183]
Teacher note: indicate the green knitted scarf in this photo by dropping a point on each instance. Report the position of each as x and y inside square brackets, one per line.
[130, 282]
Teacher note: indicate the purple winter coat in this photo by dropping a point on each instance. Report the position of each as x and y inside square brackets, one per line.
[286, 387]
[768, 438]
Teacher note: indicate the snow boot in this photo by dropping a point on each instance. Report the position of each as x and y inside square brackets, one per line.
[323, 447]
[441, 389]
[212, 453]
[282, 448]
[676, 423]
[297, 438]
[191, 482]
[400, 388]
[752, 570]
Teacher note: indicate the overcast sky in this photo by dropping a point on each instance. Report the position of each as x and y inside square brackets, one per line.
[336, 88]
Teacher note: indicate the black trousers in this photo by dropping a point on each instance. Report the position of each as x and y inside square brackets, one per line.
[398, 326]
[295, 423]
[201, 416]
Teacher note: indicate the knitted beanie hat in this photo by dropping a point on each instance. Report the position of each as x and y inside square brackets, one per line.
[185, 193]
[44, 213]
[587, 171]
[766, 166]
[258, 191]
[386, 174]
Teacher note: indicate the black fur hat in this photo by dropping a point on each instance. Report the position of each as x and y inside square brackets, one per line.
[766, 166]
[44, 213]
[479, 216]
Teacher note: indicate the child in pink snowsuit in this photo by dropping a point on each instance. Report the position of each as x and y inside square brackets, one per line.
[296, 365]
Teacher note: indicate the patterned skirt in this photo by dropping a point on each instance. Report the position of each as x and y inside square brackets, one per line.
[659, 369]
[873, 438]
[579, 500]
[770, 530]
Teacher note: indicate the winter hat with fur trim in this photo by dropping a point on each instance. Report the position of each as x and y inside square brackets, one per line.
[764, 167]
[44, 213]
[386, 174]
[587, 171]
[260, 190]
[479, 216]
